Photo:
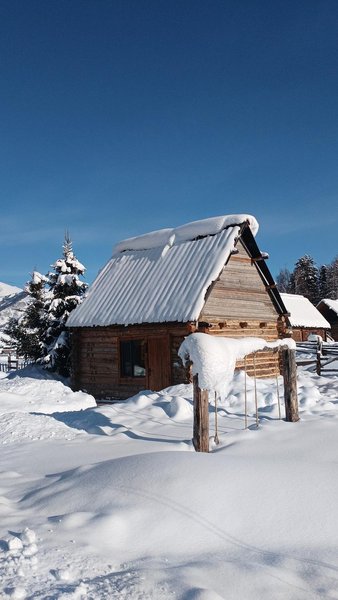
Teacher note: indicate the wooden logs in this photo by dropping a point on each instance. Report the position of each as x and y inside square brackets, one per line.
[290, 384]
[201, 418]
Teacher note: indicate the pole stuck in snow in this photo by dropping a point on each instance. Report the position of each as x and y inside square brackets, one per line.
[216, 438]
[245, 398]
[278, 397]
[256, 403]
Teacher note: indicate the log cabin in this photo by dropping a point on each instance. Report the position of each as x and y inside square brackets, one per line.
[157, 288]
[305, 318]
[329, 309]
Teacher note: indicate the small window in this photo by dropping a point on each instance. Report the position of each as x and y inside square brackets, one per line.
[132, 354]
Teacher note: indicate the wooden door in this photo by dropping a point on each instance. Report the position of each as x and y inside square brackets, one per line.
[158, 362]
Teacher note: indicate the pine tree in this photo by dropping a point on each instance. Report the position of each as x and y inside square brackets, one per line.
[306, 278]
[323, 282]
[283, 280]
[28, 331]
[292, 285]
[332, 279]
[66, 292]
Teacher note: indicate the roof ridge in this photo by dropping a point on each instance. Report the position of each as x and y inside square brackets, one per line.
[190, 231]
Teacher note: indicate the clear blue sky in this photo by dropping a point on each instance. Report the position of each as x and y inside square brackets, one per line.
[124, 116]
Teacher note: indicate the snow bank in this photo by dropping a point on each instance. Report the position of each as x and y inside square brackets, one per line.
[33, 389]
[214, 359]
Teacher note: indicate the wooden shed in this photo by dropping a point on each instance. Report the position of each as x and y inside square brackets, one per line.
[329, 309]
[156, 289]
[304, 318]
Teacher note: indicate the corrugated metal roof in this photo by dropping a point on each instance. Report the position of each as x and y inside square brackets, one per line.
[303, 313]
[160, 284]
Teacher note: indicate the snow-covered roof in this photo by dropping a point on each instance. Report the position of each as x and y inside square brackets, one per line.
[332, 304]
[162, 276]
[303, 313]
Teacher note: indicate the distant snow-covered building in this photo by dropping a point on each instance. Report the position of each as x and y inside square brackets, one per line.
[304, 317]
[207, 276]
[329, 309]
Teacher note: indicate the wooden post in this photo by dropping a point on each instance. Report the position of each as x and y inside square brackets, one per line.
[290, 384]
[201, 418]
[318, 357]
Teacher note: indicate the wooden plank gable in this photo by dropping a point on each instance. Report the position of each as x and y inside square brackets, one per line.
[238, 293]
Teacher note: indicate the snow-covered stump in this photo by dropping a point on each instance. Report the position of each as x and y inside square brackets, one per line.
[201, 418]
[290, 384]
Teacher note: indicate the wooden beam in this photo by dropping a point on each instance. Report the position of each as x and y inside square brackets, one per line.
[271, 286]
[201, 418]
[290, 384]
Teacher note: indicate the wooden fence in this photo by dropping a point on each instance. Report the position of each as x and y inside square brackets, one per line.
[12, 363]
[321, 357]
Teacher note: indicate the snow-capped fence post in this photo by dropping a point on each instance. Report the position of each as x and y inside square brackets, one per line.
[201, 418]
[290, 384]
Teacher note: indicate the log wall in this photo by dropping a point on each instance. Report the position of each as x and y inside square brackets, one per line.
[96, 360]
[300, 334]
[334, 330]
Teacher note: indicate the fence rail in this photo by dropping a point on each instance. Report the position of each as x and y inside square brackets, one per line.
[322, 355]
[10, 363]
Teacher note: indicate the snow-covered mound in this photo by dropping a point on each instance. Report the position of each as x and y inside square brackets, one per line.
[34, 389]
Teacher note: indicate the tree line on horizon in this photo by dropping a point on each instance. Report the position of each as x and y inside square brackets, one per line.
[315, 283]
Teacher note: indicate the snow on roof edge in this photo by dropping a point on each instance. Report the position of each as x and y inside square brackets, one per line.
[330, 303]
[183, 233]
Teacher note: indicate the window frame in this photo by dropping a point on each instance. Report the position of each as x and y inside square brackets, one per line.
[123, 376]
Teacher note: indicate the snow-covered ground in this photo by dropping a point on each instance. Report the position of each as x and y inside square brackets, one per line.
[112, 502]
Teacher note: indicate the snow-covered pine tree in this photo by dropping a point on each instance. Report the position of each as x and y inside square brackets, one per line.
[306, 278]
[28, 330]
[66, 292]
